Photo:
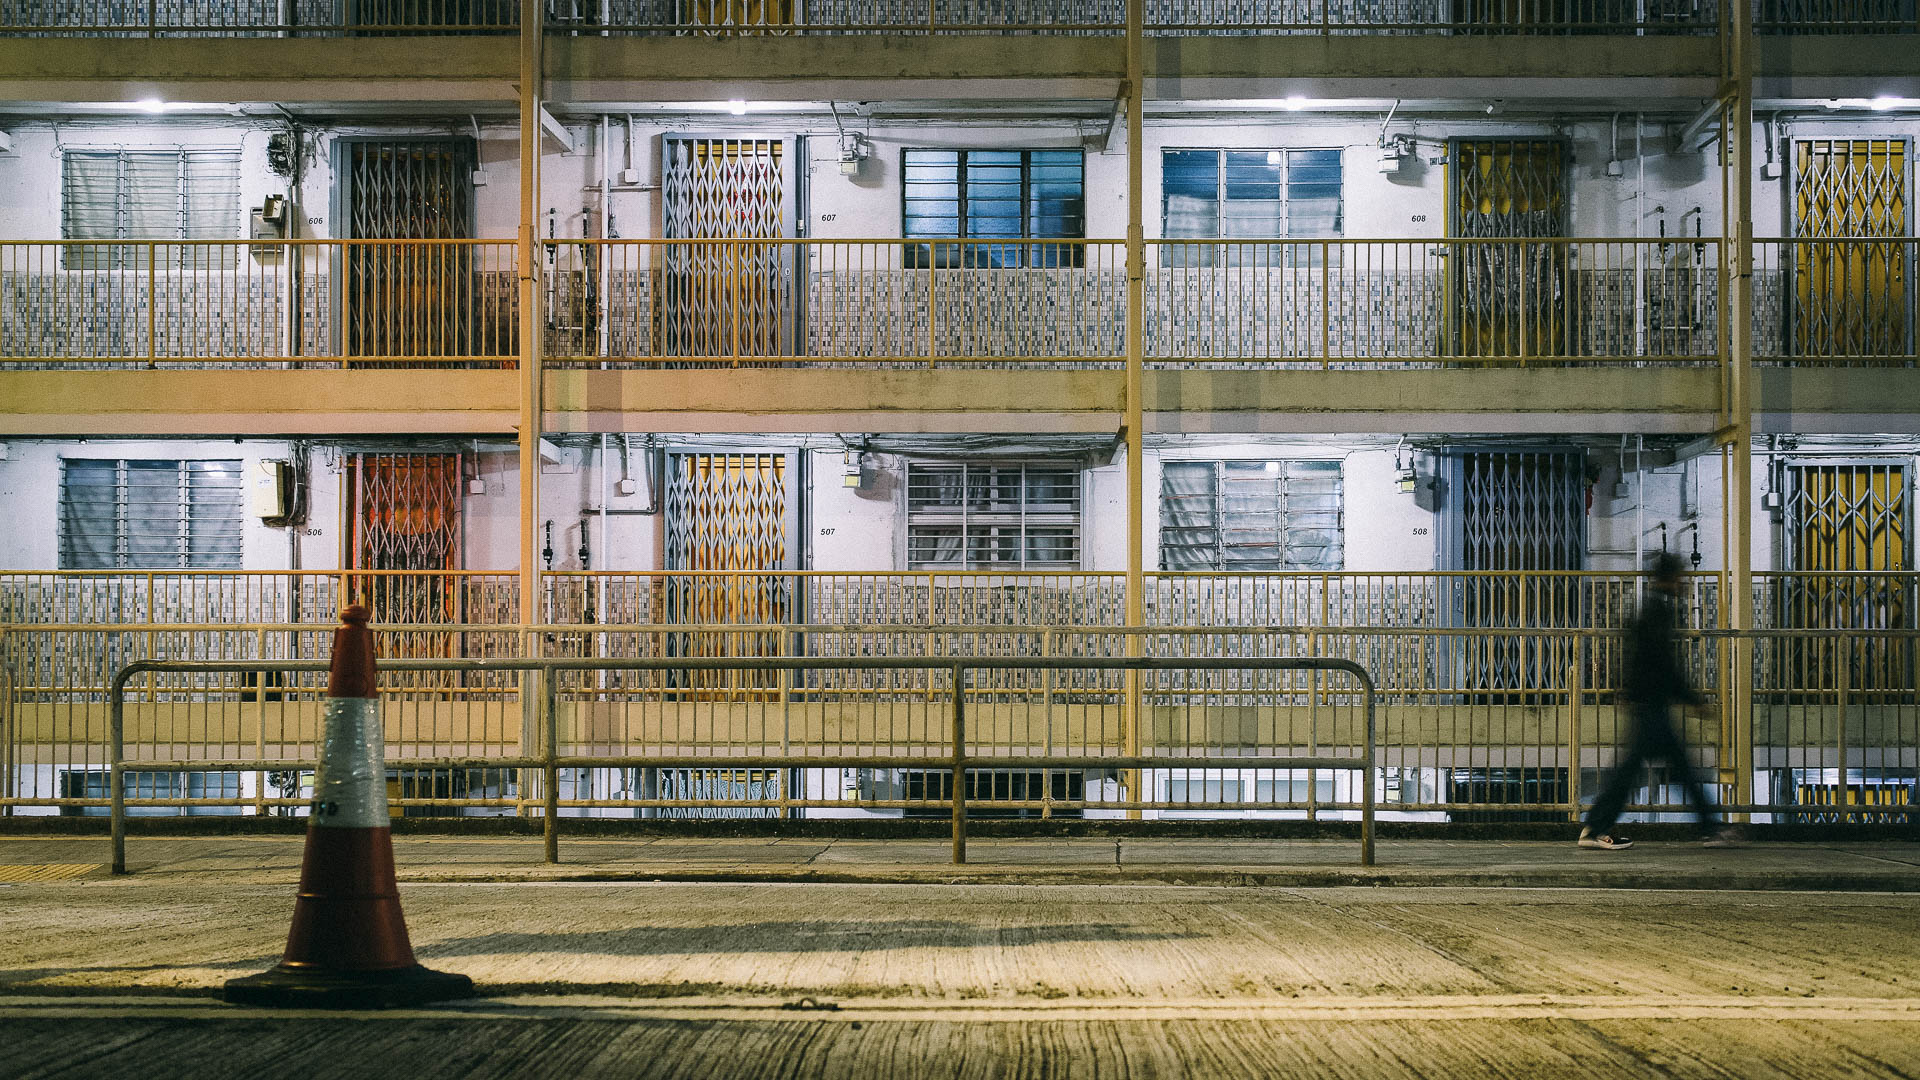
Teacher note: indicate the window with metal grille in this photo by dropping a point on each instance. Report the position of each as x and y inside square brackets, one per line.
[1251, 515]
[993, 516]
[994, 195]
[173, 194]
[98, 784]
[149, 514]
[1232, 194]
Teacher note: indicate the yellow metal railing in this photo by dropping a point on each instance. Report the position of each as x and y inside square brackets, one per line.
[254, 18]
[1836, 300]
[257, 304]
[855, 302]
[1481, 302]
[1507, 707]
[922, 303]
[740, 18]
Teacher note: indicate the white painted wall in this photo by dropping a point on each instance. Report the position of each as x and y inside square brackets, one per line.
[30, 175]
[857, 529]
[861, 529]
[30, 498]
[1665, 182]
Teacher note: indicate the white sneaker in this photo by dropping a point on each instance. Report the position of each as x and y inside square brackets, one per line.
[1605, 841]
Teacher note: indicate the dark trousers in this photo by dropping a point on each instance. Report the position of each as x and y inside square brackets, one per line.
[1654, 742]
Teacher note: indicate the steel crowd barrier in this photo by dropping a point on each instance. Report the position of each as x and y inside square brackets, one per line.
[960, 753]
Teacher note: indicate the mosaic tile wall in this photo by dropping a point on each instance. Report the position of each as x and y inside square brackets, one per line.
[1202, 318]
[1255, 313]
[1217, 317]
[241, 14]
[988, 313]
[105, 315]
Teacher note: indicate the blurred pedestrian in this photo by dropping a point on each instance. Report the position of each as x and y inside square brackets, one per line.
[1654, 681]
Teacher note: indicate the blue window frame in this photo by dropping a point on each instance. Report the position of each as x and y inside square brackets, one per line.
[994, 195]
[1247, 194]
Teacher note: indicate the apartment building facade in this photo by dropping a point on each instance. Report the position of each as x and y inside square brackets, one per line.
[1400, 333]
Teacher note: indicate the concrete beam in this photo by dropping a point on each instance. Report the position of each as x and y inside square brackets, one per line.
[285, 70]
[1548, 401]
[1414, 67]
[1865, 65]
[1836, 401]
[1508, 400]
[833, 401]
[630, 69]
[257, 402]
[556, 131]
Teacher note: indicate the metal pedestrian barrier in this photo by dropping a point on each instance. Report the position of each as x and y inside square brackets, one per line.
[953, 731]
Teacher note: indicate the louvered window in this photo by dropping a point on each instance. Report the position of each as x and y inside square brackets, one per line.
[1235, 194]
[178, 194]
[1250, 515]
[995, 195]
[149, 514]
[993, 516]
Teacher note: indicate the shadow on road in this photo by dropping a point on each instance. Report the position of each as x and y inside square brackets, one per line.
[790, 936]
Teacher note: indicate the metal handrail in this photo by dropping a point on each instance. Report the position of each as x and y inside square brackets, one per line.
[551, 761]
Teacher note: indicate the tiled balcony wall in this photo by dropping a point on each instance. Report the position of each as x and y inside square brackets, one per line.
[72, 629]
[876, 304]
[228, 304]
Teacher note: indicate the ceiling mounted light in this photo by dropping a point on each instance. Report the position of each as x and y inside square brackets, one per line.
[1294, 103]
[737, 107]
[151, 105]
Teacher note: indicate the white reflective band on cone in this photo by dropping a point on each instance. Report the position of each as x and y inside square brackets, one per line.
[350, 784]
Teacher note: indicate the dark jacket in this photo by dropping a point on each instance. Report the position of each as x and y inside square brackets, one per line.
[1654, 674]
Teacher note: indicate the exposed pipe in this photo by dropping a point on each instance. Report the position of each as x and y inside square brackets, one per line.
[605, 442]
[602, 284]
[1639, 231]
[1696, 128]
[1639, 512]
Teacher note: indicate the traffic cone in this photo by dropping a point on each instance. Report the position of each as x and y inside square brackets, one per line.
[348, 946]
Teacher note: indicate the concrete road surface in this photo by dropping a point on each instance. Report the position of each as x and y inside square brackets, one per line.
[112, 977]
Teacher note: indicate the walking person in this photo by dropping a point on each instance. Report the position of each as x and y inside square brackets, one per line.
[1653, 682]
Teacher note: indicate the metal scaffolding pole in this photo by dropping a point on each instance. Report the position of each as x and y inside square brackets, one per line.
[1136, 308]
[532, 37]
[1736, 162]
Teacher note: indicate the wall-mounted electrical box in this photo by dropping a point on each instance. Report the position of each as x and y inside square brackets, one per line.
[271, 498]
[270, 221]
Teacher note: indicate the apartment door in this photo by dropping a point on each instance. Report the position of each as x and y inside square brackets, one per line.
[731, 525]
[405, 300]
[1852, 269]
[386, 18]
[736, 16]
[1507, 300]
[1564, 16]
[1515, 519]
[404, 513]
[728, 291]
[1848, 532]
